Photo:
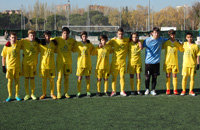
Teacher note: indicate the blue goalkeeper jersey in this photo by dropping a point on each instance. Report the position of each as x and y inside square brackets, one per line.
[153, 49]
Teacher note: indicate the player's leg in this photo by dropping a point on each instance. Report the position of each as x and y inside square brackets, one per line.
[175, 82]
[52, 86]
[147, 78]
[122, 81]
[168, 83]
[32, 82]
[192, 83]
[79, 86]
[106, 86]
[114, 81]
[138, 83]
[184, 83]
[60, 74]
[66, 85]
[26, 85]
[155, 73]
[132, 83]
[9, 86]
[17, 89]
[88, 85]
[98, 86]
[44, 87]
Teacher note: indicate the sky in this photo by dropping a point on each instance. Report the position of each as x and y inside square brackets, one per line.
[156, 5]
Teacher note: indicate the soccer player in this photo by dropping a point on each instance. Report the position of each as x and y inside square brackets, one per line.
[84, 66]
[191, 52]
[134, 62]
[30, 60]
[153, 47]
[64, 60]
[47, 49]
[102, 66]
[11, 60]
[118, 64]
[171, 60]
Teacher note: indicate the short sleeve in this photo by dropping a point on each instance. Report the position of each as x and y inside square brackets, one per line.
[4, 52]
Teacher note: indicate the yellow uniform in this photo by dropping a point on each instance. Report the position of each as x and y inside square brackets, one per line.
[47, 65]
[84, 65]
[171, 56]
[134, 58]
[30, 57]
[118, 64]
[64, 62]
[12, 55]
[191, 51]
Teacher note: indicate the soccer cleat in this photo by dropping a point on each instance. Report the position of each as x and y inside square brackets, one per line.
[123, 94]
[139, 93]
[153, 92]
[191, 93]
[18, 99]
[113, 94]
[88, 94]
[53, 96]
[67, 96]
[98, 94]
[8, 99]
[78, 95]
[42, 97]
[59, 96]
[183, 93]
[168, 92]
[106, 94]
[33, 97]
[146, 92]
[175, 92]
[26, 97]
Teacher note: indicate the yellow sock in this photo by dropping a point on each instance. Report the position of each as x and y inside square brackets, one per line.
[114, 80]
[122, 83]
[138, 84]
[98, 86]
[88, 85]
[168, 83]
[66, 84]
[26, 84]
[184, 82]
[79, 85]
[59, 85]
[175, 82]
[9, 85]
[132, 84]
[105, 86]
[44, 86]
[191, 83]
[51, 80]
[32, 86]
[17, 87]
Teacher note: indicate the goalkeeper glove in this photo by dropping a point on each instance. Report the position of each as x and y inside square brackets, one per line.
[4, 69]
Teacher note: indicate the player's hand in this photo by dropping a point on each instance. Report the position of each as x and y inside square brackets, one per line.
[197, 68]
[4, 69]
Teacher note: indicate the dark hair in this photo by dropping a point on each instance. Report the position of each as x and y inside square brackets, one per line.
[47, 33]
[171, 31]
[13, 33]
[104, 37]
[84, 33]
[65, 29]
[120, 29]
[134, 33]
[156, 29]
[188, 33]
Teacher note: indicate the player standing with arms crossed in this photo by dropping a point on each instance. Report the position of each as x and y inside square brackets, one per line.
[11, 64]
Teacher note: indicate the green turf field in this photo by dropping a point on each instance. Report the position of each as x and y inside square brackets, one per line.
[135, 112]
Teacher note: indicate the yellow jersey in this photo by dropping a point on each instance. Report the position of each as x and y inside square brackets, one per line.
[64, 50]
[85, 50]
[30, 52]
[134, 54]
[191, 51]
[12, 55]
[120, 51]
[103, 57]
[47, 51]
[171, 52]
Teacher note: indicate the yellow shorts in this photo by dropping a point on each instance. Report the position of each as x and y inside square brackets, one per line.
[29, 70]
[134, 69]
[171, 69]
[65, 69]
[101, 73]
[83, 72]
[115, 70]
[188, 71]
[12, 73]
[47, 73]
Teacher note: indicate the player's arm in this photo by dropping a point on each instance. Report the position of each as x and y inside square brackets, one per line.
[180, 47]
[140, 45]
[198, 54]
[3, 54]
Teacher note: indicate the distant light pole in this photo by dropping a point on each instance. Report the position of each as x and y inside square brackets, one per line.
[21, 17]
[184, 16]
[149, 17]
[68, 12]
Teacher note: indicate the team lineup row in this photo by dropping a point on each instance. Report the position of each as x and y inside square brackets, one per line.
[120, 48]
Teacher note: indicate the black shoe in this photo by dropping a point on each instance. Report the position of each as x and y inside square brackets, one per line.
[139, 93]
[106, 94]
[98, 94]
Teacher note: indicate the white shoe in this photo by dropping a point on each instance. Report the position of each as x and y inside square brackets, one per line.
[146, 92]
[123, 93]
[153, 92]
